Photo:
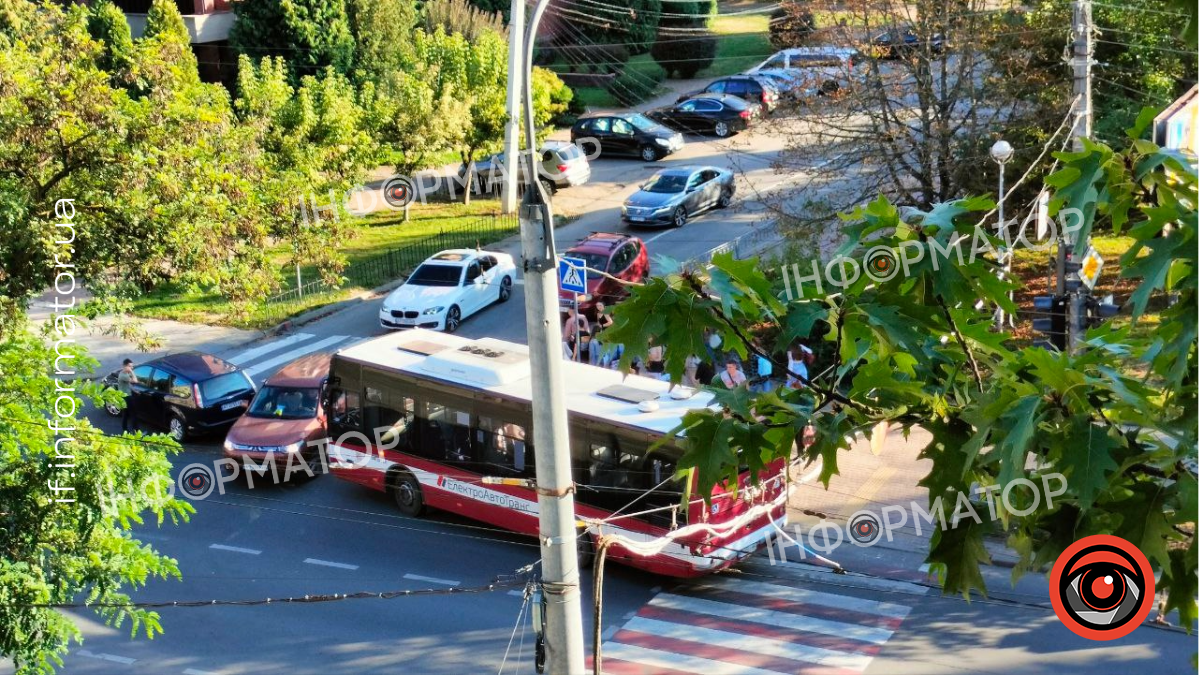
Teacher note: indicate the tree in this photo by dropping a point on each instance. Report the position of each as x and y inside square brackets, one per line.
[316, 146]
[71, 552]
[382, 30]
[683, 47]
[632, 23]
[915, 124]
[310, 35]
[791, 25]
[167, 181]
[463, 18]
[107, 25]
[1119, 419]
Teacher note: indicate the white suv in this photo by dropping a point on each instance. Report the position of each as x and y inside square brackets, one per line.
[826, 69]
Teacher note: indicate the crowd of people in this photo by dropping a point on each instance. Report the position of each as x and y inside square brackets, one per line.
[583, 342]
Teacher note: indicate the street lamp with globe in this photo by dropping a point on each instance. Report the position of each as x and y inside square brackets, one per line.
[1001, 152]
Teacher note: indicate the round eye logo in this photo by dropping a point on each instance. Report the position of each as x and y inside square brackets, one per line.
[398, 191]
[864, 528]
[1102, 587]
[881, 264]
[196, 481]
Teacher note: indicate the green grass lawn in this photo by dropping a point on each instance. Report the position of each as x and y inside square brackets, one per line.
[742, 42]
[373, 235]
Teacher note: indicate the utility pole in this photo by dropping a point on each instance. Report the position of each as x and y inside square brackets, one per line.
[1081, 62]
[512, 106]
[552, 446]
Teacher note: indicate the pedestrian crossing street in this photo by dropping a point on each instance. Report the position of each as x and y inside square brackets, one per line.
[795, 619]
[263, 359]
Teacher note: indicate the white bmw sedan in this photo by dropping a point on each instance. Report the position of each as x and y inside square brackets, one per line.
[447, 288]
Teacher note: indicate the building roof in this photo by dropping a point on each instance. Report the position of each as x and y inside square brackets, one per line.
[502, 368]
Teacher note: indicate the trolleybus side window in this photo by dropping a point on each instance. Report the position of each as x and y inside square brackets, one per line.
[503, 444]
[446, 434]
[389, 419]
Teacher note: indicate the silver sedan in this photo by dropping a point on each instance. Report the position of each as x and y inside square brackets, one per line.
[672, 196]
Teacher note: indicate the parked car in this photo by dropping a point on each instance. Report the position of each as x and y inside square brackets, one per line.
[561, 165]
[619, 255]
[791, 84]
[447, 288]
[900, 42]
[672, 196]
[282, 418]
[625, 134]
[720, 114]
[826, 69]
[749, 87]
[188, 394]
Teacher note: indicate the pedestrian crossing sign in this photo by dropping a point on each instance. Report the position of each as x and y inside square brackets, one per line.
[572, 275]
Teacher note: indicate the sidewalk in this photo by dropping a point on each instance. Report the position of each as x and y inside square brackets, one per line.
[111, 350]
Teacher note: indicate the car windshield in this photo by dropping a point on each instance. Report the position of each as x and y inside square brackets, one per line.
[596, 261]
[225, 385]
[435, 275]
[286, 403]
[669, 182]
[642, 123]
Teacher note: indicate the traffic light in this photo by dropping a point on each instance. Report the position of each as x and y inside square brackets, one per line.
[1099, 309]
[1053, 323]
[1071, 270]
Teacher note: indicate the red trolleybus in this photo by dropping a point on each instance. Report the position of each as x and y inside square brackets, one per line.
[427, 417]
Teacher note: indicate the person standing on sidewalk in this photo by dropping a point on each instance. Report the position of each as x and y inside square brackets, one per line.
[125, 381]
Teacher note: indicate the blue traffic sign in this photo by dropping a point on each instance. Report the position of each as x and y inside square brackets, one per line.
[572, 274]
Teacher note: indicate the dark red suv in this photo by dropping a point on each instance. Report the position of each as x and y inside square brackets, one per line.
[619, 255]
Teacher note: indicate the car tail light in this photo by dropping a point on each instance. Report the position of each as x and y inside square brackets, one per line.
[745, 114]
[196, 393]
[561, 168]
[765, 97]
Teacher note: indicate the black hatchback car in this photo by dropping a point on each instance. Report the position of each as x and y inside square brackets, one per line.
[188, 394]
[625, 134]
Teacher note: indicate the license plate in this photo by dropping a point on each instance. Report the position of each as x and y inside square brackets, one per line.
[636, 219]
[232, 404]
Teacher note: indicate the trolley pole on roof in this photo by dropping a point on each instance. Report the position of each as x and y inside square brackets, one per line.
[552, 448]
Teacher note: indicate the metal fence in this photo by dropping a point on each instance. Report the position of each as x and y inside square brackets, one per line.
[399, 262]
[750, 244]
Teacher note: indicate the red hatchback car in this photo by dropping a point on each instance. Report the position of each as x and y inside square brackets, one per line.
[619, 255]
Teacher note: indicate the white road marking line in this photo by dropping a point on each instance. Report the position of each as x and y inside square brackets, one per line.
[517, 594]
[431, 580]
[294, 354]
[750, 643]
[609, 633]
[772, 618]
[328, 563]
[269, 347]
[776, 591]
[660, 234]
[107, 657]
[234, 549]
[660, 659]
[520, 281]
